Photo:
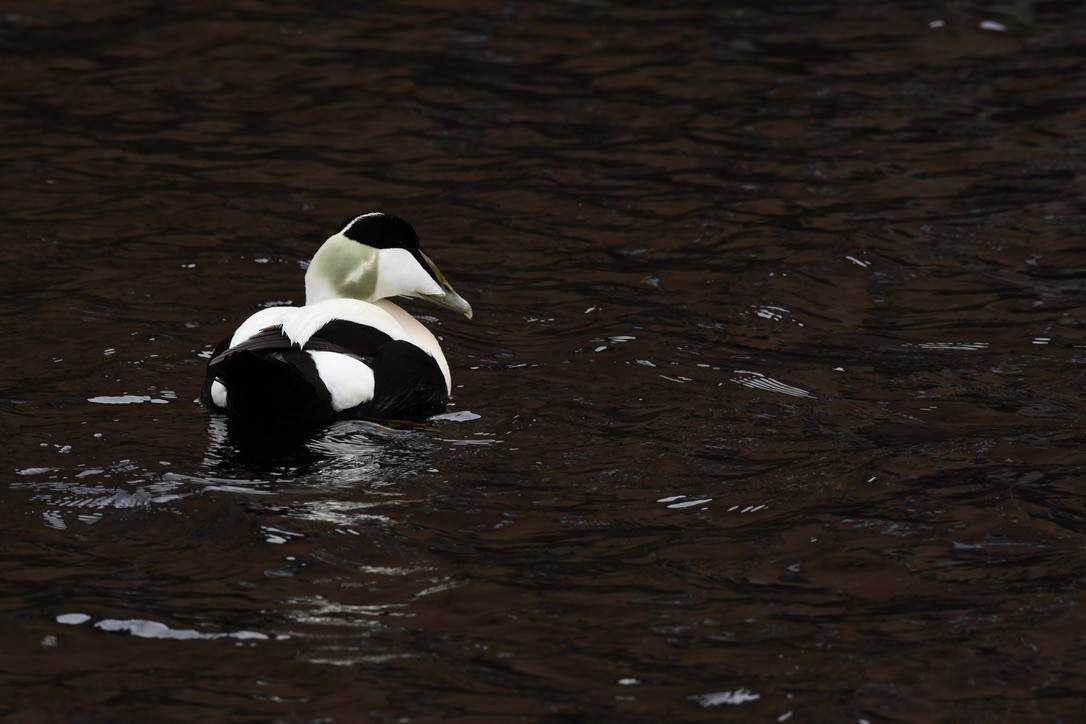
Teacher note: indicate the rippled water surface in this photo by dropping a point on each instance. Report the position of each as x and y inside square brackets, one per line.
[771, 408]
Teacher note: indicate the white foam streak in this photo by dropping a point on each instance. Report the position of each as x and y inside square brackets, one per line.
[758, 381]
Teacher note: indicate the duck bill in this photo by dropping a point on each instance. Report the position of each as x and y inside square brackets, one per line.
[448, 298]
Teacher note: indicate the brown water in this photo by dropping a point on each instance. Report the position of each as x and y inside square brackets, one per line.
[771, 409]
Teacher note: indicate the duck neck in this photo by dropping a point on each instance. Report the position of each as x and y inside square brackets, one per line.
[317, 288]
[341, 268]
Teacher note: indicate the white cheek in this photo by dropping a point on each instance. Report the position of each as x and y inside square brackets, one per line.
[400, 273]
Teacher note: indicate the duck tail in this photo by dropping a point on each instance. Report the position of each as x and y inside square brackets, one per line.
[271, 386]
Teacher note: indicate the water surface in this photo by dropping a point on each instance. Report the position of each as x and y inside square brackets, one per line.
[770, 409]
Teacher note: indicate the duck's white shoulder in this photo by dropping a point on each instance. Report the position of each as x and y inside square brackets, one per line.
[301, 323]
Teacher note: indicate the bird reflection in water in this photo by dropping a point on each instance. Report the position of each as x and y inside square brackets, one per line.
[298, 449]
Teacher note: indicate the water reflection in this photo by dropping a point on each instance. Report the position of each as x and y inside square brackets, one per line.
[86, 494]
[359, 445]
[242, 461]
[315, 521]
[141, 628]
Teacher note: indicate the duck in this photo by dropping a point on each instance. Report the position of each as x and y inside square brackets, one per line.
[349, 352]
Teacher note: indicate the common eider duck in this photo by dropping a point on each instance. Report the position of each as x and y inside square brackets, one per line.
[349, 352]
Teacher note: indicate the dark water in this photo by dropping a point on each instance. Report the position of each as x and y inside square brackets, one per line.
[771, 409]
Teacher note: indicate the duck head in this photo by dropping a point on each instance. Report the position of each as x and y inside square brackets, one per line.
[375, 256]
